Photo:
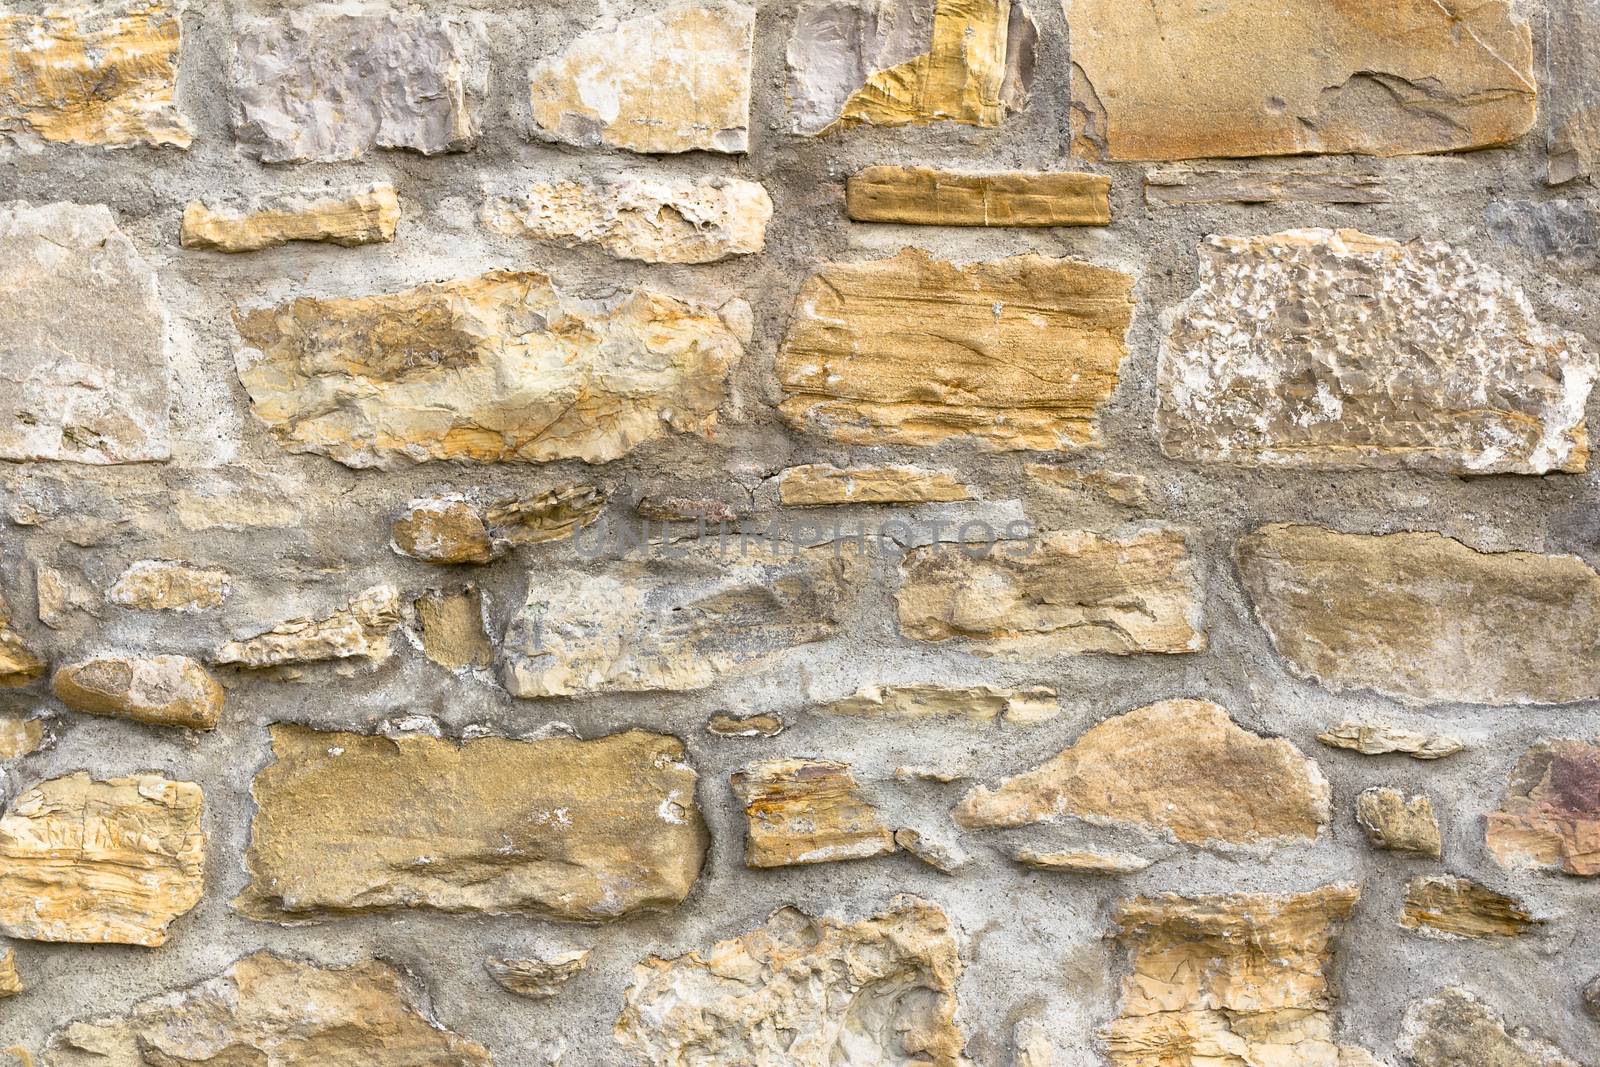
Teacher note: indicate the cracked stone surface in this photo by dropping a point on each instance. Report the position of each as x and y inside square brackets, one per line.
[1450, 908]
[361, 630]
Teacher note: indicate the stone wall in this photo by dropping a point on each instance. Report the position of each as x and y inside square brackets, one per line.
[872, 532]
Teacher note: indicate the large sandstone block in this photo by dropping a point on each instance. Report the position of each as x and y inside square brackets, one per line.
[583, 831]
[499, 368]
[1549, 818]
[922, 196]
[1336, 350]
[348, 217]
[1015, 353]
[1425, 619]
[1188, 79]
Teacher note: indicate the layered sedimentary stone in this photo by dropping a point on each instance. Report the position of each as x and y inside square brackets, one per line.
[1082, 861]
[817, 484]
[1129, 491]
[553, 515]
[1063, 593]
[90, 862]
[359, 631]
[799, 989]
[452, 629]
[77, 288]
[325, 83]
[349, 217]
[977, 703]
[1456, 1029]
[657, 220]
[537, 977]
[1015, 353]
[1424, 618]
[674, 81]
[908, 62]
[1549, 818]
[60, 593]
[442, 530]
[1182, 186]
[802, 811]
[10, 981]
[160, 690]
[922, 196]
[276, 1012]
[20, 737]
[166, 585]
[1379, 740]
[498, 368]
[1181, 767]
[1413, 77]
[1450, 907]
[561, 828]
[1337, 350]
[1397, 822]
[101, 75]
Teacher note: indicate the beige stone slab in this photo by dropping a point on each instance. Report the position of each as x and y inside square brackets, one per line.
[923, 196]
[977, 703]
[169, 585]
[1449, 907]
[1397, 822]
[801, 811]
[350, 218]
[820, 484]
[156, 690]
[359, 631]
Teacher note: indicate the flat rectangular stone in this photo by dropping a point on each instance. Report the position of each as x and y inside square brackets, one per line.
[350, 217]
[1182, 186]
[818, 484]
[922, 196]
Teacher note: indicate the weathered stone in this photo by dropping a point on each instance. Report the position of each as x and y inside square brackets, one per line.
[1335, 350]
[1450, 907]
[325, 83]
[817, 484]
[495, 368]
[1565, 233]
[110, 862]
[1456, 1029]
[657, 220]
[101, 75]
[922, 196]
[943, 858]
[20, 737]
[802, 811]
[1424, 618]
[799, 990]
[60, 593]
[1182, 186]
[674, 81]
[1398, 823]
[908, 62]
[1412, 77]
[443, 530]
[553, 515]
[1549, 818]
[1591, 996]
[1016, 353]
[537, 977]
[1031, 1045]
[452, 629]
[164, 585]
[1239, 979]
[1181, 767]
[977, 703]
[19, 664]
[238, 499]
[1130, 491]
[1073, 592]
[361, 630]
[725, 725]
[1574, 147]
[10, 980]
[711, 509]
[1082, 861]
[1379, 740]
[76, 287]
[275, 1012]
[944, 775]
[583, 831]
[350, 217]
[160, 691]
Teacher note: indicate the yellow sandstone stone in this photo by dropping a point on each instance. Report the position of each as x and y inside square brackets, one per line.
[360, 630]
[19, 737]
[452, 629]
[802, 811]
[977, 703]
[1449, 907]
[443, 530]
[350, 218]
[922, 196]
[160, 690]
[163, 585]
[818, 484]
[10, 980]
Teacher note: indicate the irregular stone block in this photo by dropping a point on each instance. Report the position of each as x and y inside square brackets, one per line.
[537, 977]
[60, 593]
[350, 217]
[10, 981]
[20, 737]
[1565, 233]
[674, 81]
[453, 631]
[83, 360]
[1397, 822]
[1423, 618]
[1338, 351]
[1549, 818]
[361, 630]
[802, 811]
[908, 62]
[19, 664]
[941, 857]
[443, 530]
[1447, 907]
[160, 691]
[922, 196]
[164, 585]
[1379, 740]
[656, 220]
[101, 75]
[978, 703]
[1131, 491]
[582, 831]
[1082, 861]
[1409, 78]
[1071, 593]
[1574, 147]
[553, 515]
[725, 725]
[326, 83]
[1456, 1029]
[498, 368]
[818, 484]
[798, 990]
[1182, 186]
[1015, 353]
[101, 863]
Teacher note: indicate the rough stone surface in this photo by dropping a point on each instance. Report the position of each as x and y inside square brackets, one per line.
[1398, 823]
[443, 530]
[1449, 907]
[160, 691]
[818, 484]
[1130, 491]
[1082, 861]
[1371, 739]
[359, 631]
[725, 725]
[549, 516]
[19, 664]
[1549, 818]
[1574, 147]
[942, 857]
[807, 811]
[166, 585]
[1456, 1029]
[351, 217]
[20, 737]
[978, 704]
[539, 977]
[922, 196]
[452, 629]
[1183, 186]
[1562, 233]
[10, 980]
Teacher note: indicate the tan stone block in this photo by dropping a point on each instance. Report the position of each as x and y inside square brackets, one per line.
[1130, 491]
[801, 811]
[160, 690]
[1549, 818]
[553, 515]
[1378, 740]
[351, 217]
[817, 484]
[978, 703]
[452, 627]
[946, 859]
[923, 196]
[1397, 822]
[1082, 861]
[725, 725]
[165, 585]
[10, 981]
[443, 530]
[1449, 907]
[20, 737]
[19, 664]
[359, 631]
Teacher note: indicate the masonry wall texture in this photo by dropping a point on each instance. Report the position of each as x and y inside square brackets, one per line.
[1176, 642]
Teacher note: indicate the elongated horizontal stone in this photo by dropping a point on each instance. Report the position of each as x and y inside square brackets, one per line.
[1379, 740]
[1412, 77]
[584, 831]
[819, 484]
[361, 630]
[1182, 186]
[537, 977]
[978, 703]
[1082, 861]
[160, 690]
[1337, 350]
[1425, 619]
[352, 217]
[553, 515]
[922, 196]
[1014, 353]
[498, 368]
[1449, 907]
[1130, 491]
[801, 811]
[165, 585]
[1549, 818]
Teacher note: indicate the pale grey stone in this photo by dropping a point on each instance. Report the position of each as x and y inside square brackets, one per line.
[1563, 232]
[1456, 1029]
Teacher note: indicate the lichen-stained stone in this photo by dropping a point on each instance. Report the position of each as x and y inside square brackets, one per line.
[674, 81]
[443, 530]
[1378, 740]
[1397, 822]
[1549, 818]
[1423, 618]
[1456, 1029]
[498, 368]
[582, 831]
[1062, 593]
[101, 75]
[798, 991]
[451, 626]
[1180, 767]
[270, 1011]
[160, 690]
[83, 360]
[348, 217]
[1182, 186]
[1082, 861]
[1448, 907]
[552, 515]
[326, 82]
[1336, 350]
[101, 862]
[977, 703]
[538, 977]
[1386, 79]
[908, 62]
[166, 585]
[360, 630]
[817, 484]
[922, 196]
[10, 981]
[656, 220]
[20, 737]
[802, 811]
[1016, 353]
